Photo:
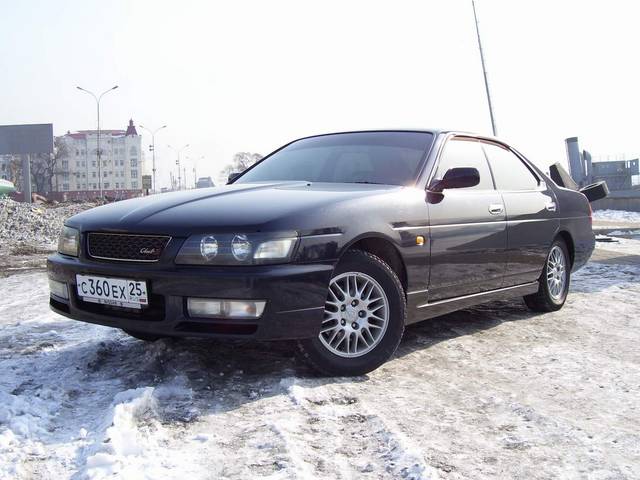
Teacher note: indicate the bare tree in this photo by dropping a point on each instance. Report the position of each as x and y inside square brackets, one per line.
[45, 167]
[241, 161]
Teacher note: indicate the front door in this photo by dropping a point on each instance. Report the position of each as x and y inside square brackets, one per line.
[468, 236]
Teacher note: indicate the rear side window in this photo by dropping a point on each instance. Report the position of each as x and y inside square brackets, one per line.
[465, 153]
[509, 172]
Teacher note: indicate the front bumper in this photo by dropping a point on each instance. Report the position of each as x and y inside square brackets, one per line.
[295, 296]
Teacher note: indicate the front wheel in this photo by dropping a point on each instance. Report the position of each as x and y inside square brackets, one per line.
[554, 281]
[363, 321]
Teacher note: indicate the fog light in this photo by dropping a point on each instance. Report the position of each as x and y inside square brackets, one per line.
[214, 308]
[58, 289]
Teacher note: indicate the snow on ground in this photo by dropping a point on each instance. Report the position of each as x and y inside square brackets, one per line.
[616, 216]
[493, 391]
[34, 225]
[614, 243]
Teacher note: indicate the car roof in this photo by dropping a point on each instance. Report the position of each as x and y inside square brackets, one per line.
[434, 131]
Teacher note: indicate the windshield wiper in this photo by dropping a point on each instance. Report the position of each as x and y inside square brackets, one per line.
[371, 183]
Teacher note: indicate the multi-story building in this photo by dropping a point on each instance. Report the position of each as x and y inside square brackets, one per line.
[78, 174]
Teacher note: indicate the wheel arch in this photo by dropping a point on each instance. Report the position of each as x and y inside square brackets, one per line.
[383, 248]
[568, 241]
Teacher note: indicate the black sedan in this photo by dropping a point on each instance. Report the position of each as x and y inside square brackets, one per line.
[336, 241]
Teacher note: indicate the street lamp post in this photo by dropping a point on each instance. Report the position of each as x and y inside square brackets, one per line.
[484, 72]
[153, 153]
[178, 151]
[98, 153]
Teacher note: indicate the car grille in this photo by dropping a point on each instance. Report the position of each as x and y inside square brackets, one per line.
[123, 247]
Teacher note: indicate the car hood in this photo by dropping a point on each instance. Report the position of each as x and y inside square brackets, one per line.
[299, 206]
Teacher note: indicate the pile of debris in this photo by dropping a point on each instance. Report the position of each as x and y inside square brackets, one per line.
[33, 228]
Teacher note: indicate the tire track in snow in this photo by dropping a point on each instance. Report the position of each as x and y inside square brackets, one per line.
[337, 435]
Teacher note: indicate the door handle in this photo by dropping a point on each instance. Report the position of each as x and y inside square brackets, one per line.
[551, 206]
[496, 209]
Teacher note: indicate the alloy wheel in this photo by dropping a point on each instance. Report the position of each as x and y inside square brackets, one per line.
[556, 272]
[356, 315]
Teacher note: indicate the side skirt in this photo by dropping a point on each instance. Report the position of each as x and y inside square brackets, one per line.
[428, 310]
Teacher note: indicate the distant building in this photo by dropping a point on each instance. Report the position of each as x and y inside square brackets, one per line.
[121, 170]
[619, 174]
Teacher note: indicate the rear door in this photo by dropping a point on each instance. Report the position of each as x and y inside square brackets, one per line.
[531, 213]
[468, 230]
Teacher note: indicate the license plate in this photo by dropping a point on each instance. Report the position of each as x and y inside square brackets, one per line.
[112, 291]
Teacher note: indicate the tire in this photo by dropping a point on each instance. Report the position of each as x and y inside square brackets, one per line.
[374, 327]
[547, 299]
[147, 337]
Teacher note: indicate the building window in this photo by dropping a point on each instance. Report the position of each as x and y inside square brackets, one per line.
[95, 186]
[93, 163]
[106, 184]
[77, 186]
[134, 185]
[134, 173]
[133, 152]
[93, 174]
[134, 162]
[104, 174]
[65, 165]
[65, 187]
[117, 185]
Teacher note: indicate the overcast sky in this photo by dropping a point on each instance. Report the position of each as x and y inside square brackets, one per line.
[251, 75]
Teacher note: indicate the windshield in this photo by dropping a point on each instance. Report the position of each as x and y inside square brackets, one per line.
[390, 158]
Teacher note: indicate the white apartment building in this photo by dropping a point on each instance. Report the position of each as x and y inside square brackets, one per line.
[121, 157]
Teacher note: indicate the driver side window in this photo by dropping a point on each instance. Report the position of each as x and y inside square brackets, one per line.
[465, 152]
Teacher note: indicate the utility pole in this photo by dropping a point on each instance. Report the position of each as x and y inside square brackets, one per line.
[98, 153]
[178, 151]
[153, 154]
[484, 71]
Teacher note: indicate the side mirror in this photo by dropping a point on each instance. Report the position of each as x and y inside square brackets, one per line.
[232, 176]
[460, 177]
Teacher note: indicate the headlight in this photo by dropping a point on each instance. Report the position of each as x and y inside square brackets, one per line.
[208, 247]
[274, 249]
[237, 249]
[69, 241]
[240, 247]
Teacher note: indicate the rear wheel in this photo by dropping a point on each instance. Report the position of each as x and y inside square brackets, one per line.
[363, 321]
[147, 337]
[554, 281]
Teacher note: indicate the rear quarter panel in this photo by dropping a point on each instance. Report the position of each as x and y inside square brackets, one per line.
[575, 219]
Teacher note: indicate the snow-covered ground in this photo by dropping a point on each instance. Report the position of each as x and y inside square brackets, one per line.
[491, 392]
[616, 216]
[614, 243]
